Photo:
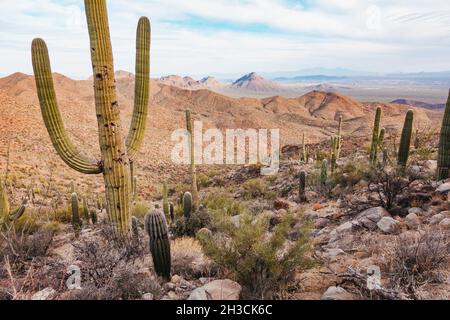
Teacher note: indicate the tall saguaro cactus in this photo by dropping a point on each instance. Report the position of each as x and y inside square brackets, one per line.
[116, 152]
[405, 141]
[194, 188]
[444, 146]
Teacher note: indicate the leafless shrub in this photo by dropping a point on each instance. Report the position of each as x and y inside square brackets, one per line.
[416, 258]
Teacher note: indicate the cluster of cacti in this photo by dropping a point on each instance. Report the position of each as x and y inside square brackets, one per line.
[405, 141]
[116, 153]
[323, 172]
[76, 220]
[187, 205]
[443, 170]
[156, 227]
[376, 135]
[194, 186]
[302, 187]
[6, 214]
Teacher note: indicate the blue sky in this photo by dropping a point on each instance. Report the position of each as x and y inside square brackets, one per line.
[202, 37]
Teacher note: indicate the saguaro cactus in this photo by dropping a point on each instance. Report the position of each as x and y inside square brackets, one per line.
[76, 221]
[194, 187]
[187, 205]
[116, 154]
[375, 136]
[6, 214]
[302, 186]
[444, 146]
[323, 172]
[339, 139]
[156, 227]
[405, 141]
[165, 200]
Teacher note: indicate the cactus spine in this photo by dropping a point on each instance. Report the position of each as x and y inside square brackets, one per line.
[302, 187]
[116, 153]
[323, 172]
[444, 146]
[187, 205]
[165, 200]
[156, 227]
[375, 136]
[76, 221]
[194, 187]
[405, 141]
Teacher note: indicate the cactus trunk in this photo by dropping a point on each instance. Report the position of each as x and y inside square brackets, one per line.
[444, 146]
[405, 141]
[375, 136]
[302, 187]
[194, 188]
[115, 153]
[165, 200]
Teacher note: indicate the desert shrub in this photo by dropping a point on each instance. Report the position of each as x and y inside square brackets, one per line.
[203, 181]
[22, 247]
[189, 227]
[218, 200]
[255, 188]
[140, 209]
[263, 263]
[63, 215]
[189, 261]
[416, 258]
[351, 173]
[389, 183]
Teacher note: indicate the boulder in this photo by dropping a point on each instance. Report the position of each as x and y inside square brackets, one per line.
[199, 294]
[336, 293]
[370, 217]
[415, 210]
[436, 219]
[223, 290]
[388, 225]
[445, 224]
[148, 296]
[46, 294]
[444, 188]
[412, 221]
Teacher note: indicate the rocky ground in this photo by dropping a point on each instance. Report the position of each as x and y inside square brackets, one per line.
[356, 239]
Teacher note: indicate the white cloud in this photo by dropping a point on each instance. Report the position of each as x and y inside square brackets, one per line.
[396, 35]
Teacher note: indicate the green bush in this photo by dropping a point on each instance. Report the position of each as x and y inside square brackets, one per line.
[256, 188]
[218, 200]
[188, 227]
[264, 264]
[140, 209]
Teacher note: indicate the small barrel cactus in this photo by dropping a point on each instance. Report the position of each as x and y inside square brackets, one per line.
[302, 186]
[156, 227]
[187, 205]
[444, 146]
[405, 141]
[94, 217]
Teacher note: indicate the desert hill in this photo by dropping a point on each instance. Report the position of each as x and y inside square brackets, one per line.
[254, 82]
[314, 113]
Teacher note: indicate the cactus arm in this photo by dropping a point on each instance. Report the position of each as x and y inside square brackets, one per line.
[405, 142]
[444, 145]
[52, 116]
[142, 88]
[116, 165]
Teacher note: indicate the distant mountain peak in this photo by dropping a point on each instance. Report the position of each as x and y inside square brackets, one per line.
[254, 82]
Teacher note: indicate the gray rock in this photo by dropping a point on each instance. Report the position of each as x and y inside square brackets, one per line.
[223, 290]
[199, 294]
[336, 293]
[175, 279]
[46, 294]
[332, 254]
[412, 221]
[322, 223]
[445, 224]
[444, 188]
[343, 229]
[148, 296]
[436, 219]
[370, 217]
[388, 225]
[415, 210]
[236, 221]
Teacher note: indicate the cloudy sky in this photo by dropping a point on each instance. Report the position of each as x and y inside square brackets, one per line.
[202, 37]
